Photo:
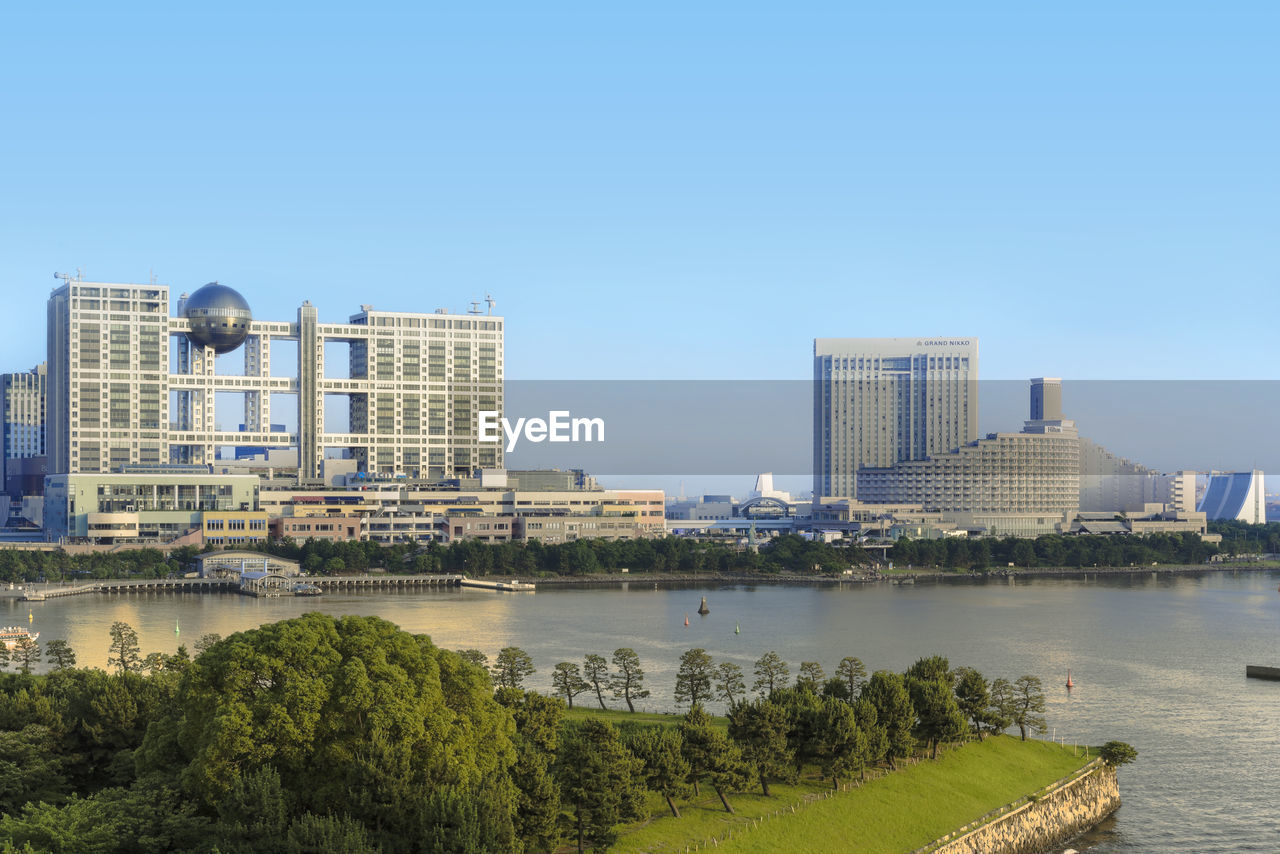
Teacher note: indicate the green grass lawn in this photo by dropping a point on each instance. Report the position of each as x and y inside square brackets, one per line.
[617, 718]
[892, 814]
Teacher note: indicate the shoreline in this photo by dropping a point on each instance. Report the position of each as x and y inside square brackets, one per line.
[895, 577]
[910, 577]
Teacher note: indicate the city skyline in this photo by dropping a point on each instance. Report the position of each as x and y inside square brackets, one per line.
[1088, 193]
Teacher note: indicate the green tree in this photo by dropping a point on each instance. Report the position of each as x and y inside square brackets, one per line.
[407, 737]
[729, 683]
[476, 657]
[665, 769]
[537, 720]
[61, 654]
[599, 782]
[712, 756]
[694, 677]
[253, 817]
[123, 653]
[26, 654]
[888, 695]
[143, 819]
[206, 641]
[1027, 711]
[930, 667]
[771, 674]
[596, 671]
[804, 736]
[999, 715]
[1117, 753]
[567, 679]
[851, 671]
[811, 676]
[627, 681]
[1024, 553]
[841, 746]
[938, 716]
[512, 667]
[836, 687]
[973, 695]
[760, 729]
[31, 767]
[328, 834]
[179, 661]
[876, 739]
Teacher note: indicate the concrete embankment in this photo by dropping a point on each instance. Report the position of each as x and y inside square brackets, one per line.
[1054, 816]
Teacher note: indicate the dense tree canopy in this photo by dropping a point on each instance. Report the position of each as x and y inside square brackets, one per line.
[348, 711]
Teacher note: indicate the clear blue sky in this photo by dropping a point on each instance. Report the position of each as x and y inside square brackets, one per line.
[658, 192]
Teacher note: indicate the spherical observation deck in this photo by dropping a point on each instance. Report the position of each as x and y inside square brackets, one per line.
[219, 318]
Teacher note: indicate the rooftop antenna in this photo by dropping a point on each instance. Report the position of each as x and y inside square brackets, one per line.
[475, 307]
[488, 298]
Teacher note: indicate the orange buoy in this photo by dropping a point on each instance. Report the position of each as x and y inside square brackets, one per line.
[1070, 684]
[686, 619]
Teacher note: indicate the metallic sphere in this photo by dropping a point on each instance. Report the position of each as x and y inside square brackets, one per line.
[219, 318]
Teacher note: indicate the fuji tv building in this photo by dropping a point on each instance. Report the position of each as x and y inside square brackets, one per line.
[132, 385]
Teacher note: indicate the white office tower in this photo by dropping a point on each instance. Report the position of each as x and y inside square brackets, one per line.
[881, 401]
[129, 385]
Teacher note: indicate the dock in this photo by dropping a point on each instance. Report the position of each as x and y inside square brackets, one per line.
[510, 586]
[1257, 671]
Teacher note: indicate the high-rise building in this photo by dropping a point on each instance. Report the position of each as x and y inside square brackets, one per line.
[881, 401]
[130, 385]
[1035, 472]
[22, 417]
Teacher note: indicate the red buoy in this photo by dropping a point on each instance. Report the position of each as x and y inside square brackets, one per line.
[1070, 684]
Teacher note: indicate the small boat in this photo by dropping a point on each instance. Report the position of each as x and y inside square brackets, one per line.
[703, 609]
[304, 589]
[10, 635]
[1070, 683]
[686, 619]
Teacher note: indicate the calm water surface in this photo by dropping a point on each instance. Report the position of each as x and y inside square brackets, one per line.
[1158, 660]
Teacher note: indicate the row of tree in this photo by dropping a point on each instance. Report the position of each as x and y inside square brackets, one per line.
[1052, 550]
[788, 553]
[837, 727]
[1244, 538]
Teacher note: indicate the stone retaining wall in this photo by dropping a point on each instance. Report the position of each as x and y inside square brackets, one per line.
[1056, 816]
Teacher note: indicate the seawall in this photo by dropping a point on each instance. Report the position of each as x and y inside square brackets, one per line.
[1055, 815]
